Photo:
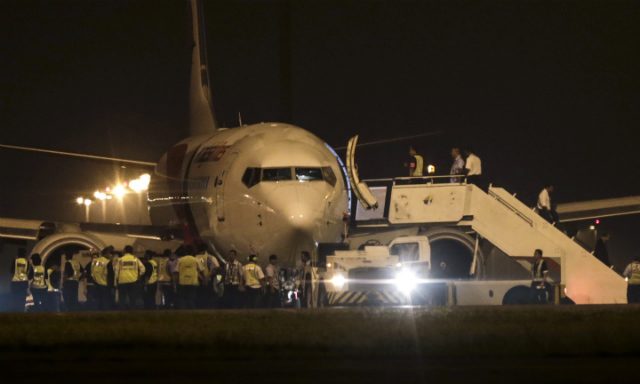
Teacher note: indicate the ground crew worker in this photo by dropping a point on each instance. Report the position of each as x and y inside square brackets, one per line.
[189, 273]
[632, 274]
[415, 164]
[305, 284]
[233, 280]
[72, 272]
[54, 284]
[472, 168]
[211, 266]
[539, 285]
[151, 282]
[38, 286]
[111, 278]
[90, 284]
[20, 269]
[272, 273]
[98, 271]
[254, 283]
[128, 271]
[164, 279]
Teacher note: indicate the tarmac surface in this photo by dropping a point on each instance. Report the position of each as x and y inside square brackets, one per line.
[510, 344]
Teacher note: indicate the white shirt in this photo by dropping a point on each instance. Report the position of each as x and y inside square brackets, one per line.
[543, 200]
[272, 273]
[474, 165]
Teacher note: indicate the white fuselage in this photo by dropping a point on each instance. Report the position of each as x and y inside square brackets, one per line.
[266, 189]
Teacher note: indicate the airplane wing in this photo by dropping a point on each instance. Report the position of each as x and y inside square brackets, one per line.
[82, 155]
[598, 208]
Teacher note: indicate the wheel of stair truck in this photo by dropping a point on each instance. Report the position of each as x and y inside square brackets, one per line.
[518, 295]
[452, 258]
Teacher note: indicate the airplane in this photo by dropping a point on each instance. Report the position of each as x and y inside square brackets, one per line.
[268, 188]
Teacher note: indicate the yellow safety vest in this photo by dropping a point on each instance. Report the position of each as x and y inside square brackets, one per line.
[154, 272]
[203, 260]
[38, 277]
[49, 286]
[128, 269]
[635, 273]
[250, 277]
[20, 273]
[76, 269]
[163, 276]
[99, 270]
[419, 166]
[188, 270]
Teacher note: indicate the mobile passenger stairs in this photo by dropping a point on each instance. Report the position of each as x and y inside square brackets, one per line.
[433, 204]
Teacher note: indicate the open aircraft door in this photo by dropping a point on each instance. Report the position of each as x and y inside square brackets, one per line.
[360, 189]
[221, 182]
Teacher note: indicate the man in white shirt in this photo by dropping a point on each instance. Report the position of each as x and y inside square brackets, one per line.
[544, 205]
[472, 168]
[458, 165]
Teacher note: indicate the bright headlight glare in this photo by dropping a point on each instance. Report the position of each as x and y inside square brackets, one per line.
[338, 281]
[406, 281]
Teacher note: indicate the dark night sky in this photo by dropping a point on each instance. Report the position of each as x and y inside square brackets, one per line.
[542, 90]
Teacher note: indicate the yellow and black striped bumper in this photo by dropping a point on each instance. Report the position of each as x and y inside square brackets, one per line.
[366, 298]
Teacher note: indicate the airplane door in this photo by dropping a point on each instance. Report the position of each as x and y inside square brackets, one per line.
[360, 189]
[221, 183]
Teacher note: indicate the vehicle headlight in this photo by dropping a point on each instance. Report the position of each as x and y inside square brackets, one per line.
[406, 281]
[338, 281]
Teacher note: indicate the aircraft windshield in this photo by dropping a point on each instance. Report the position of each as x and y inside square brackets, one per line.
[308, 174]
[276, 174]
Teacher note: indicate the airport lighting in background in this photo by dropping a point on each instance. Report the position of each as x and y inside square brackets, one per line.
[431, 169]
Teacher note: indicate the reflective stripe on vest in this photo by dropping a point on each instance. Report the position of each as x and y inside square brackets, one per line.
[635, 273]
[38, 277]
[250, 278]
[21, 268]
[163, 276]
[419, 166]
[154, 272]
[188, 273]
[128, 269]
[536, 275]
[76, 269]
[99, 270]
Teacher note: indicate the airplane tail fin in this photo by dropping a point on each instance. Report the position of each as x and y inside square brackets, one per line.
[201, 117]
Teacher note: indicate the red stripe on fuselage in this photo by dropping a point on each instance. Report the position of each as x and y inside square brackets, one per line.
[175, 183]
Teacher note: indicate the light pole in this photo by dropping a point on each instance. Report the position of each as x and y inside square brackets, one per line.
[103, 198]
[80, 201]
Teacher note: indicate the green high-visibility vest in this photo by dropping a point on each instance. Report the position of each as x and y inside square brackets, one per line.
[99, 270]
[38, 277]
[128, 269]
[635, 273]
[76, 269]
[154, 272]
[21, 268]
[187, 270]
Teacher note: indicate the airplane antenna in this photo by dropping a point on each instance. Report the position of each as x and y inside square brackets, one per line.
[240, 118]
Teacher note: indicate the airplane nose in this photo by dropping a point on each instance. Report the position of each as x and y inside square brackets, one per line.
[300, 207]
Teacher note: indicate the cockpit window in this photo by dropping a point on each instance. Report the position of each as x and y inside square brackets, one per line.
[329, 176]
[308, 174]
[251, 177]
[276, 174]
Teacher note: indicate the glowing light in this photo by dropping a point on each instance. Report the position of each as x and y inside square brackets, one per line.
[592, 227]
[119, 191]
[406, 281]
[96, 194]
[108, 189]
[87, 202]
[80, 200]
[431, 169]
[338, 281]
[399, 265]
[328, 265]
[140, 184]
[597, 221]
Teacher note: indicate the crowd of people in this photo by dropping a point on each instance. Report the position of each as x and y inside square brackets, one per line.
[188, 278]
